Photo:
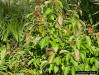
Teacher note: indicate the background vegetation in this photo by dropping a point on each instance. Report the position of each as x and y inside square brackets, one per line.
[49, 37]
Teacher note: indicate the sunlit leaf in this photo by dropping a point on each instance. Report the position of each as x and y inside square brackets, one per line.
[87, 67]
[66, 72]
[48, 11]
[92, 60]
[88, 41]
[58, 60]
[74, 62]
[63, 51]
[44, 42]
[55, 45]
[73, 71]
[51, 58]
[51, 67]
[43, 64]
[56, 68]
[31, 61]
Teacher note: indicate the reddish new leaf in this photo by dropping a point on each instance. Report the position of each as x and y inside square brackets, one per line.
[90, 30]
[71, 43]
[27, 36]
[64, 15]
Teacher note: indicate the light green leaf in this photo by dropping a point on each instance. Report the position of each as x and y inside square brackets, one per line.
[63, 51]
[92, 60]
[43, 64]
[55, 45]
[58, 60]
[31, 61]
[74, 62]
[60, 4]
[82, 56]
[88, 41]
[56, 68]
[98, 41]
[73, 71]
[97, 64]
[44, 42]
[51, 67]
[66, 72]
[87, 67]
[51, 58]
[48, 11]
[78, 43]
[52, 17]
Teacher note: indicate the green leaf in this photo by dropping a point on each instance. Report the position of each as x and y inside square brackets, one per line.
[51, 58]
[48, 11]
[51, 17]
[82, 56]
[87, 67]
[63, 66]
[38, 61]
[74, 62]
[94, 68]
[73, 71]
[56, 68]
[55, 45]
[98, 41]
[51, 67]
[68, 57]
[90, 18]
[78, 43]
[66, 72]
[43, 64]
[58, 60]
[60, 4]
[92, 60]
[44, 42]
[3, 53]
[88, 41]
[97, 64]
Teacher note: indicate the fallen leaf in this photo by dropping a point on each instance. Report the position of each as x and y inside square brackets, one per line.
[60, 20]
[76, 55]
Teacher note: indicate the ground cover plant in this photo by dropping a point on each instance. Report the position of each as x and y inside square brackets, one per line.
[49, 37]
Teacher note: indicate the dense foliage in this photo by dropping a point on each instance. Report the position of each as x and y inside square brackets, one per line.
[49, 37]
